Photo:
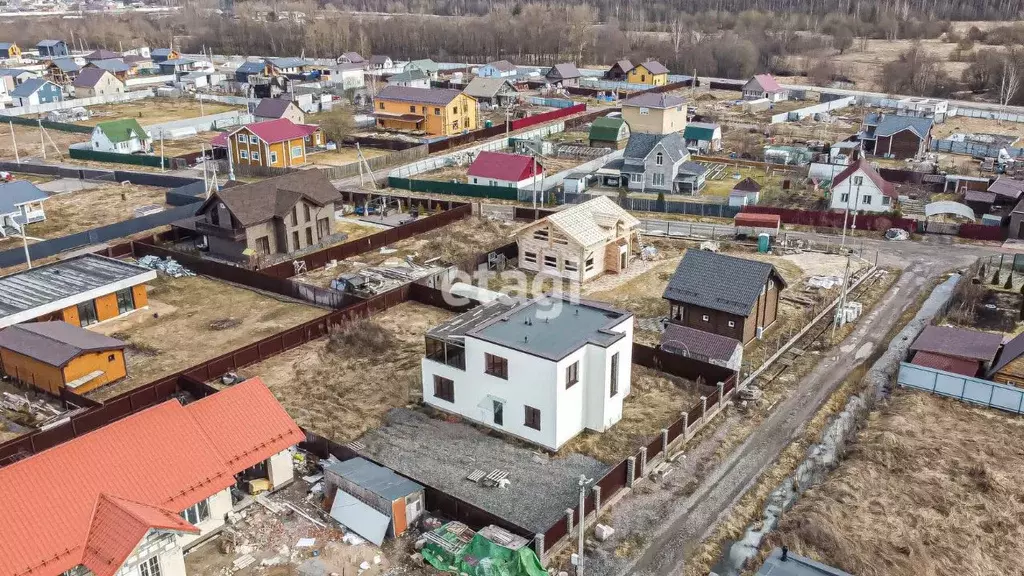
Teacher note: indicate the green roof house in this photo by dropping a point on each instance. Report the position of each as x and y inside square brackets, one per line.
[703, 137]
[427, 65]
[609, 132]
[124, 136]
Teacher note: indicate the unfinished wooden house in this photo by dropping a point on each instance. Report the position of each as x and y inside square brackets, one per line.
[581, 242]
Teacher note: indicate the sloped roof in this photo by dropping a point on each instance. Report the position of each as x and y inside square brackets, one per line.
[564, 71]
[29, 87]
[379, 480]
[287, 62]
[89, 77]
[274, 197]
[435, 96]
[425, 64]
[354, 57]
[13, 72]
[719, 282]
[7, 45]
[592, 222]
[409, 75]
[160, 52]
[122, 130]
[606, 129]
[278, 130]
[1007, 187]
[1010, 352]
[886, 187]
[958, 343]
[748, 184]
[502, 65]
[54, 343]
[623, 65]
[66, 65]
[655, 67]
[692, 168]
[14, 194]
[700, 131]
[251, 67]
[164, 458]
[47, 43]
[697, 344]
[502, 166]
[640, 145]
[964, 366]
[655, 100]
[379, 59]
[102, 54]
[272, 107]
[767, 83]
[113, 65]
[481, 87]
[889, 124]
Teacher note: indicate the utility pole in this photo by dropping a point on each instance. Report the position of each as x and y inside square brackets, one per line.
[14, 141]
[162, 168]
[24, 235]
[231, 163]
[579, 550]
[206, 183]
[42, 138]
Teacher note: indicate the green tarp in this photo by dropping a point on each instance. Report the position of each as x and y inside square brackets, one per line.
[481, 557]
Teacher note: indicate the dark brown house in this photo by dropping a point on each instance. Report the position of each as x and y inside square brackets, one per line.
[893, 136]
[619, 71]
[725, 295]
[276, 216]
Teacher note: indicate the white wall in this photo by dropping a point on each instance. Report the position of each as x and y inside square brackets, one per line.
[220, 505]
[160, 544]
[867, 197]
[280, 470]
[72, 103]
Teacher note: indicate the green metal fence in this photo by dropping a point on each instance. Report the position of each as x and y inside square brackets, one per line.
[454, 188]
[59, 126]
[134, 159]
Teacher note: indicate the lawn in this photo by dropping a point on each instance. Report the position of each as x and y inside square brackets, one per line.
[155, 110]
[82, 210]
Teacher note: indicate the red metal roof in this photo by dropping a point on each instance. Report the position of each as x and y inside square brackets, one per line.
[751, 219]
[117, 527]
[886, 187]
[279, 130]
[961, 366]
[768, 83]
[165, 458]
[499, 166]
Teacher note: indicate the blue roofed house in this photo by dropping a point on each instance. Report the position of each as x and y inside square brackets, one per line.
[895, 136]
[115, 66]
[21, 202]
[661, 163]
[286, 66]
[37, 91]
[497, 69]
[247, 69]
[62, 70]
[163, 54]
[53, 49]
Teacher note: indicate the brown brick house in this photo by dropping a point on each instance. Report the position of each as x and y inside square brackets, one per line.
[724, 295]
[893, 136]
[271, 217]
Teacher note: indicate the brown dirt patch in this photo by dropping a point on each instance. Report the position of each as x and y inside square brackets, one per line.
[85, 209]
[155, 110]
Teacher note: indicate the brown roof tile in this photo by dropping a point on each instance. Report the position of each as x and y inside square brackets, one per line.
[274, 197]
[958, 343]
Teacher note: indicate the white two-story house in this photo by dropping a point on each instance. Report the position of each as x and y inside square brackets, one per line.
[861, 188]
[542, 370]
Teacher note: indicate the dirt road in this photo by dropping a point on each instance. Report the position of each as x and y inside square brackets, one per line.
[658, 528]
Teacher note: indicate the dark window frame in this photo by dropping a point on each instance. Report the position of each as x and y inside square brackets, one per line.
[572, 374]
[444, 388]
[614, 376]
[531, 417]
[496, 366]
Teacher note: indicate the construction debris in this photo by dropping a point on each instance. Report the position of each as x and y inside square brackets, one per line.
[897, 234]
[170, 266]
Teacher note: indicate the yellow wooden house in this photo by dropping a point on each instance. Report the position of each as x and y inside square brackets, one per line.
[274, 143]
[434, 111]
[10, 50]
[55, 355]
[651, 73]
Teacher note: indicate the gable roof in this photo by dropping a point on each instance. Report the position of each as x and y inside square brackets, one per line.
[1011, 351]
[606, 128]
[14, 194]
[160, 52]
[164, 458]
[481, 87]
[7, 45]
[564, 71]
[700, 131]
[379, 480]
[502, 166]
[592, 222]
[287, 62]
[118, 525]
[274, 197]
[964, 366]
[502, 65]
[719, 282]
[354, 57]
[89, 77]
[435, 96]
[66, 65]
[54, 343]
[379, 59]
[251, 67]
[767, 83]
[13, 72]
[1007, 187]
[655, 100]
[697, 344]
[425, 64]
[889, 124]
[113, 65]
[29, 87]
[409, 75]
[958, 343]
[102, 54]
[748, 184]
[623, 65]
[640, 146]
[48, 43]
[278, 130]
[886, 187]
[272, 107]
[122, 130]
[655, 67]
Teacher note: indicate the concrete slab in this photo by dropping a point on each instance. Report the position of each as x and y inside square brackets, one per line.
[64, 185]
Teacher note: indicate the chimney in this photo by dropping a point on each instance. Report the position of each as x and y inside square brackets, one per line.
[785, 554]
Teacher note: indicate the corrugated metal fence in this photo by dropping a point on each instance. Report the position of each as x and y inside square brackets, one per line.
[963, 388]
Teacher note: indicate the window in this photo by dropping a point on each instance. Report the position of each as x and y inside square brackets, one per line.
[614, 372]
[295, 215]
[541, 234]
[551, 262]
[87, 313]
[111, 357]
[125, 301]
[197, 512]
[589, 264]
[866, 200]
[572, 374]
[412, 108]
[844, 198]
[455, 109]
[437, 111]
[243, 154]
[858, 180]
[636, 177]
[444, 388]
[305, 213]
[455, 125]
[150, 567]
[658, 179]
[532, 418]
[571, 266]
[530, 257]
[256, 156]
[732, 324]
[644, 111]
[885, 200]
[499, 413]
[659, 159]
[309, 235]
[273, 157]
[296, 151]
[705, 318]
[323, 228]
[381, 106]
[295, 240]
[496, 366]
[559, 239]
[263, 245]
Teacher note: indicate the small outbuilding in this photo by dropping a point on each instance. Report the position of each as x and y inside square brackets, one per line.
[55, 355]
[371, 500]
[506, 170]
[746, 192]
[956, 350]
[609, 132]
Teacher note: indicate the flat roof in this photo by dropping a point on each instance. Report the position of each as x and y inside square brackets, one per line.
[455, 329]
[553, 327]
[441, 454]
[31, 293]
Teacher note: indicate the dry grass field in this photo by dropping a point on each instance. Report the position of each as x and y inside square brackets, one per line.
[931, 486]
[155, 110]
[86, 209]
[29, 144]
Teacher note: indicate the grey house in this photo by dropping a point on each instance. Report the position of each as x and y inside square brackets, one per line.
[565, 74]
[272, 217]
[661, 163]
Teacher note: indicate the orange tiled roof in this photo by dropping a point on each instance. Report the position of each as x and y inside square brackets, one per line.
[117, 527]
[165, 458]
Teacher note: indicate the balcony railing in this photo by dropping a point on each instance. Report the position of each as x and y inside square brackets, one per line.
[233, 234]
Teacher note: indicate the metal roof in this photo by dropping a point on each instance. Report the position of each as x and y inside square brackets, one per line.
[719, 282]
[54, 343]
[698, 344]
[14, 194]
[958, 343]
[795, 565]
[29, 87]
[436, 96]
[481, 87]
[889, 124]
[36, 287]
[382, 481]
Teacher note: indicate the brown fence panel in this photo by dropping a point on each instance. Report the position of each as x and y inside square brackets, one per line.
[694, 414]
[9, 451]
[675, 430]
[676, 365]
[654, 448]
[49, 438]
[555, 533]
[613, 481]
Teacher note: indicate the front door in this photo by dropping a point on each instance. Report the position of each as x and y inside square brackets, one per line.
[622, 261]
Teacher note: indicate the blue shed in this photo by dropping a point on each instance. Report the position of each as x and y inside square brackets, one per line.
[53, 48]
